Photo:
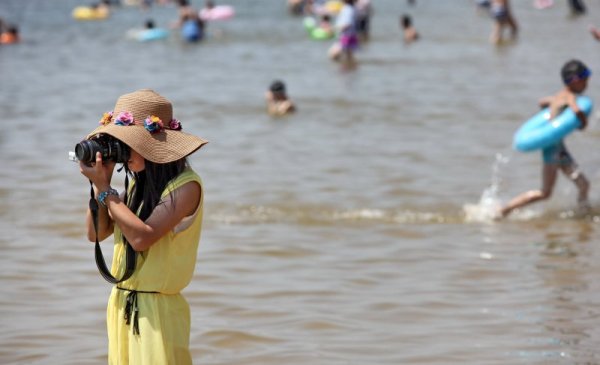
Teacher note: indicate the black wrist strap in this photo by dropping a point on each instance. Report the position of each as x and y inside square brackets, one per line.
[129, 254]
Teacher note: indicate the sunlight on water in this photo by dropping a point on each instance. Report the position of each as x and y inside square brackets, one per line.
[319, 215]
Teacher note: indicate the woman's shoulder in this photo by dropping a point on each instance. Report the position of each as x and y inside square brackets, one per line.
[188, 175]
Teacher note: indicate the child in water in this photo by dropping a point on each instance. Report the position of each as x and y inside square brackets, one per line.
[556, 157]
[325, 24]
[345, 24]
[409, 31]
[278, 103]
[10, 35]
[504, 18]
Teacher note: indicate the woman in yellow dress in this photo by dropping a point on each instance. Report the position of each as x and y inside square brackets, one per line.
[157, 219]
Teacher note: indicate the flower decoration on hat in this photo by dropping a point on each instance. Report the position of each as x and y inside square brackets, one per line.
[106, 118]
[124, 119]
[175, 125]
[153, 124]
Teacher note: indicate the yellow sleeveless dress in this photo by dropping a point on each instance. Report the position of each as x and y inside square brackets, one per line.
[163, 317]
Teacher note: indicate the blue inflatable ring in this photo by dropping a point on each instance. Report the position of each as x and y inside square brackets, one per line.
[152, 34]
[538, 132]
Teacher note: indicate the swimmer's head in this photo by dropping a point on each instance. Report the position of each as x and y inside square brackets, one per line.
[277, 86]
[406, 21]
[573, 71]
[12, 29]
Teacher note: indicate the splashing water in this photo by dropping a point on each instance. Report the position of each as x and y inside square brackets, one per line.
[488, 208]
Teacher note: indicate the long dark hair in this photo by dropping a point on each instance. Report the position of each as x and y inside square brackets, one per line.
[150, 184]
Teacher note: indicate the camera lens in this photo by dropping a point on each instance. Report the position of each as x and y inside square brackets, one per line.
[111, 149]
[119, 152]
[85, 151]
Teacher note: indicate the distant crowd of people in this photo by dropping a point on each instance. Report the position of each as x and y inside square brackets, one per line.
[352, 27]
[346, 21]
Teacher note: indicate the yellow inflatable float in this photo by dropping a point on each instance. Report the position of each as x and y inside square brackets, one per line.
[90, 13]
[334, 6]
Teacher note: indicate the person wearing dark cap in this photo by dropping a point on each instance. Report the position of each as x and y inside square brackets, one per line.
[556, 157]
[278, 103]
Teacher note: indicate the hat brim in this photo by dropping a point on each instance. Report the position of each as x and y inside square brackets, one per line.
[162, 147]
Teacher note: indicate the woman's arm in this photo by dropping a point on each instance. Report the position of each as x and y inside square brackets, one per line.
[572, 102]
[105, 224]
[545, 101]
[98, 173]
[167, 214]
[141, 235]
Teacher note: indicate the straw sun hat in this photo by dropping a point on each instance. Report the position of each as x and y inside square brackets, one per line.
[144, 121]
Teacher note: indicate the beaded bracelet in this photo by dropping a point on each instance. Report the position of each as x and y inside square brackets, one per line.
[102, 196]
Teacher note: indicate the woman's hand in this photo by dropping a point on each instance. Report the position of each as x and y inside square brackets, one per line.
[99, 173]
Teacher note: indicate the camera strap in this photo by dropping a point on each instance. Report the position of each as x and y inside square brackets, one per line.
[129, 254]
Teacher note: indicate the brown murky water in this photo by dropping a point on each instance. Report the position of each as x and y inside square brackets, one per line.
[349, 233]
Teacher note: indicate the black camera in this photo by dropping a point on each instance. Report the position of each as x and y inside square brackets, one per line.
[111, 148]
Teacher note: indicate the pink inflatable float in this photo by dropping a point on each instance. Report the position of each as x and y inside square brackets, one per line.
[542, 4]
[219, 12]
